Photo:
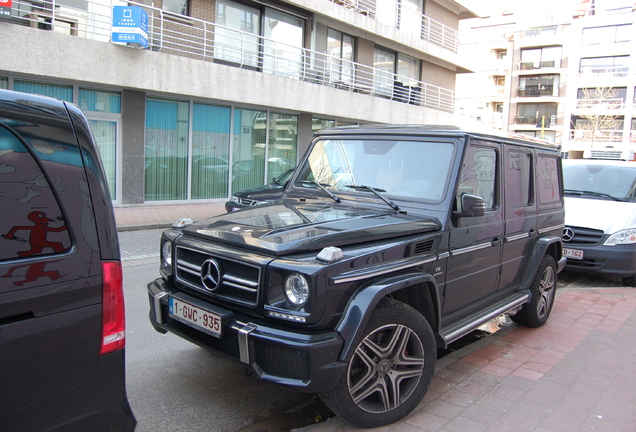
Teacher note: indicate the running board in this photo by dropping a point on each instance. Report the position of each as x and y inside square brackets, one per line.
[461, 328]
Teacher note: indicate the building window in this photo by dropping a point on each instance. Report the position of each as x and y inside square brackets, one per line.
[608, 97]
[166, 150]
[232, 44]
[256, 140]
[396, 75]
[276, 47]
[539, 85]
[176, 6]
[498, 107]
[540, 31]
[4, 83]
[545, 134]
[318, 124]
[500, 81]
[210, 151]
[340, 48]
[607, 35]
[283, 44]
[540, 58]
[57, 91]
[605, 66]
[501, 54]
[537, 114]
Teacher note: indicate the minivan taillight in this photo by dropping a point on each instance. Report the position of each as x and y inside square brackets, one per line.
[113, 311]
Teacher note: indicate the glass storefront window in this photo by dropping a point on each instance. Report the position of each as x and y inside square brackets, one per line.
[100, 100]
[248, 149]
[281, 147]
[317, 124]
[210, 151]
[4, 83]
[105, 134]
[166, 150]
[58, 91]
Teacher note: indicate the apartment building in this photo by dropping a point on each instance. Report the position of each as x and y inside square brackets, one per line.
[601, 107]
[562, 72]
[214, 96]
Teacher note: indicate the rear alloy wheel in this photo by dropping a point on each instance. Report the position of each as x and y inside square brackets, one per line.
[543, 289]
[390, 370]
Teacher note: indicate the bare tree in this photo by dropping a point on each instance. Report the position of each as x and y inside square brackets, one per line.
[601, 121]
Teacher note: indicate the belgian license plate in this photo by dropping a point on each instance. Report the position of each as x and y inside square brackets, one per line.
[573, 253]
[194, 316]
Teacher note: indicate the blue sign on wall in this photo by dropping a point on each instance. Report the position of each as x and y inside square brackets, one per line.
[130, 25]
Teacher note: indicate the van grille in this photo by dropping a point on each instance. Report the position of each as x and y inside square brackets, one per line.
[228, 279]
[583, 236]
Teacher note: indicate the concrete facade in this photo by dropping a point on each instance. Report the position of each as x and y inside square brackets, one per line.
[52, 57]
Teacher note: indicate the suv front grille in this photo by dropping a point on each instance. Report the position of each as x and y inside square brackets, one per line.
[584, 236]
[228, 279]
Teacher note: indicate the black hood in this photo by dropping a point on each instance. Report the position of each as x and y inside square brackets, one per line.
[284, 228]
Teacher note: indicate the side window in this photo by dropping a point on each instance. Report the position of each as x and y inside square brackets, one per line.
[32, 223]
[479, 174]
[548, 179]
[518, 177]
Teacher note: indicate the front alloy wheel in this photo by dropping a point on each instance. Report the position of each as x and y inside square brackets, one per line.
[390, 370]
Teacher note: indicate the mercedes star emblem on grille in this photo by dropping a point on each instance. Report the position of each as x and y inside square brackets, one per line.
[568, 234]
[210, 274]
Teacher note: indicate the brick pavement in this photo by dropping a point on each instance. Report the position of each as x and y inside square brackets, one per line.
[576, 373]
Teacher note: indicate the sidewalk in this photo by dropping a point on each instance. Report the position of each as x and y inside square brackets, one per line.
[130, 218]
[576, 373]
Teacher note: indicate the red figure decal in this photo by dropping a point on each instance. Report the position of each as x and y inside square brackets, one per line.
[39, 232]
[33, 273]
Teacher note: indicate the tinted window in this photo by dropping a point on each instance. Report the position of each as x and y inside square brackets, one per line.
[32, 223]
[518, 175]
[479, 174]
[548, 179]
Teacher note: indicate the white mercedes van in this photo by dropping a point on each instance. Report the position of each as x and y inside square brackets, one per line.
[600, 217]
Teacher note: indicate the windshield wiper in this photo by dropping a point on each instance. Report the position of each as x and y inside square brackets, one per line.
[327, 191]
[376, 191]
[592, 193]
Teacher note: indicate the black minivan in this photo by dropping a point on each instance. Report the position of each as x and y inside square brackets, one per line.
[61, 294]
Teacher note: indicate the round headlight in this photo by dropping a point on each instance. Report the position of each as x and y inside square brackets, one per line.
[296, 289]
[166, 254]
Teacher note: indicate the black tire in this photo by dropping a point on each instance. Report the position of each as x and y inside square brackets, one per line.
[543, 289]
[390, 371]
[629, 281]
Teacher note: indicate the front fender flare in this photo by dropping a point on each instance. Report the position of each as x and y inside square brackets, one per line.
[366, 299]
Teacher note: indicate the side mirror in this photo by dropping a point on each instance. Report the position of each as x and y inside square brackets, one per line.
[471, 206]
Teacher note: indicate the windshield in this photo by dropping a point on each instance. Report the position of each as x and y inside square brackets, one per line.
[400, 169]
[611, 181]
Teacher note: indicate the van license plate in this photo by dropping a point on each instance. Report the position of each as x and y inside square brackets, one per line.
[194, 316]
[573, 253]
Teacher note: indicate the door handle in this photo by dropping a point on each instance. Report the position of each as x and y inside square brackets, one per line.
[496, 241]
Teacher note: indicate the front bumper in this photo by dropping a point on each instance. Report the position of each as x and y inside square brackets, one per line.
[619, 260]
[305, 362]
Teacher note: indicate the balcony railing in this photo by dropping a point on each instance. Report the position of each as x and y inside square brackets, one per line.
[550, 121]
[598, 136]
[600, 104]
[198, 39]
[539, 65]
[397, 14]
[535, 92]
[609, 71]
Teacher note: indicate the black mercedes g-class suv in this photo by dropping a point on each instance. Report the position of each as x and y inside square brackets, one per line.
[388, 243]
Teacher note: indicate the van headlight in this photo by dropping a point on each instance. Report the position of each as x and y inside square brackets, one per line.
[627, 236]
[296, 289]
